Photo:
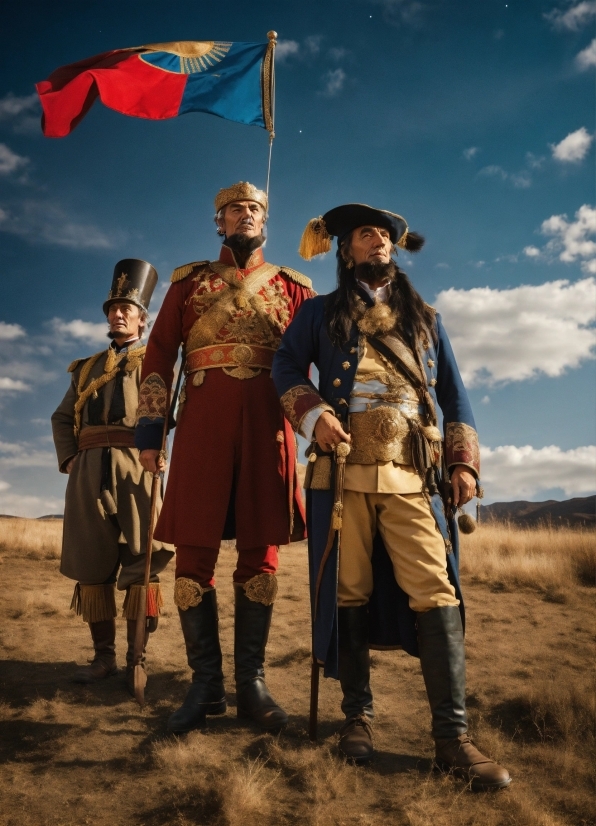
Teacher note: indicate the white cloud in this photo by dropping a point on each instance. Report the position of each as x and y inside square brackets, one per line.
[23, 454]
[535, 161]
[9, 161]
[587, 57]
[471, 152]
[571, 239]
[574, 147]
[485, 400]
[11, 106]
[337, 53]
[532, 252]
[510, 472]
[12, 385]
[334, 80]
[312, 44]
[23, 112]
[15, 504]
[574, 18]
[8, 332]
[84, 330]
[48, 223]
[520, 180]
[285, 49]
[502, 336]
[397, 12]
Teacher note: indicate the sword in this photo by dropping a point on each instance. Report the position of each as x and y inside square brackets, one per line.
[341, 452]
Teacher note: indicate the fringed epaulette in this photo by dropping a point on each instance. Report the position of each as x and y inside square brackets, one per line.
[74, 364]
[180, 273]
[297, 277]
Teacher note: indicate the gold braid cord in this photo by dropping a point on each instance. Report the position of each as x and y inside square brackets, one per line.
[111, 367]
[262, 588]
[187, 593]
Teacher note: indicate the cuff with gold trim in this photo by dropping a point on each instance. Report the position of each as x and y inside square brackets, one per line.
[462, 447]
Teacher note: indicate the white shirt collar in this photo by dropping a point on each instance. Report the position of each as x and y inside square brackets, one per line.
[378, 295]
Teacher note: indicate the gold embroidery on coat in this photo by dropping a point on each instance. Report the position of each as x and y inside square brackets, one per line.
[289, 399]
[235, 312]
[461, 439]
[134, 359]
[153, 396]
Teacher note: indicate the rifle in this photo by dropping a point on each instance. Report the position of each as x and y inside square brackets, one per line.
[341, 453]
[140, 675]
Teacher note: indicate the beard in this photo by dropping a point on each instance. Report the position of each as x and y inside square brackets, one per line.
[371, 271]
[240, 242]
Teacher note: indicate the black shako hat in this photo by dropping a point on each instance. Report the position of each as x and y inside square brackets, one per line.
[134, 280]
[340, 221]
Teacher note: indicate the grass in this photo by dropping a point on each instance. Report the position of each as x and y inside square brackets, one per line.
[550, 560]
[40, 539]
[71, 755]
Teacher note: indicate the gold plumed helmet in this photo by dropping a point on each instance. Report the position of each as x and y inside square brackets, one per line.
[242, 191]
[338, 222]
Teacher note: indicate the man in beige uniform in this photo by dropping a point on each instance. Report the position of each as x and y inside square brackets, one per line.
[106, 514]
[387, 576]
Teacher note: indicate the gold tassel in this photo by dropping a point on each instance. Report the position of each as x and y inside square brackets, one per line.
[97, 603]
[466, 523]
[337, 520]
[130, 609]
[315, 239]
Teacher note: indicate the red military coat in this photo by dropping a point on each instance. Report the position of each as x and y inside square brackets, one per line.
[233, 463]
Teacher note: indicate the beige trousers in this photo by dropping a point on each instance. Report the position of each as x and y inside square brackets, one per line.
[414, 544]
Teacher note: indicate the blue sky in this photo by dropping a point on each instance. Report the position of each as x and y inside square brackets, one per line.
[473, 120]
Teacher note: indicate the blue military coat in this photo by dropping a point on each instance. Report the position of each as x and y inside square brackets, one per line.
[306, 342]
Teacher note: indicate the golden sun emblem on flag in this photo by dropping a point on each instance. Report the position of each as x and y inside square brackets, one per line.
[195, 55]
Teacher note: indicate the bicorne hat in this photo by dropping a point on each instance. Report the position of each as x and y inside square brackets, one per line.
[134, 280]
[340, 221]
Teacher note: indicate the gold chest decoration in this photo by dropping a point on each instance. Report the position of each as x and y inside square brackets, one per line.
[382, 432]
[251, 310]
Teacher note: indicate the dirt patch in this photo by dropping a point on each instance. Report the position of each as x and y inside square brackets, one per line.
[72, 755]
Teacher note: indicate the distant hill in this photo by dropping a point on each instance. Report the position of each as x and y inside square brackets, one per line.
[575, 512]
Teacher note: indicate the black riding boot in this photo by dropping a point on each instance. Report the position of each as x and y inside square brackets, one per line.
[442, 657]
[206, 693]
[354, 677]
[251, 631]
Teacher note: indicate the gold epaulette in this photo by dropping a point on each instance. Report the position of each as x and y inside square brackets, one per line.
[297, 277]
[182, 272]
[74, 364]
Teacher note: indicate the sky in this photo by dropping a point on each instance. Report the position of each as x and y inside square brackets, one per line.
[475, 121]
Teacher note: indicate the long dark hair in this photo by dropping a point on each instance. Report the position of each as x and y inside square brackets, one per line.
[415, 316]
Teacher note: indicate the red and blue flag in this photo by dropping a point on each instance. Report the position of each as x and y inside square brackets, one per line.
[164, 80]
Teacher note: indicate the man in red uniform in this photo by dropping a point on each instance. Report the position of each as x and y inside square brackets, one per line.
[233, 466]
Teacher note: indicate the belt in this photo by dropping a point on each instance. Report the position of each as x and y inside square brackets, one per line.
[106, 435]
[405, 406]
[229, 355]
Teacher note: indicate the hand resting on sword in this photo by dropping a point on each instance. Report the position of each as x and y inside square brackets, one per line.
[329, 432]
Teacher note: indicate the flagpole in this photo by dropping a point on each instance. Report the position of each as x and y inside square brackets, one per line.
[271, 126]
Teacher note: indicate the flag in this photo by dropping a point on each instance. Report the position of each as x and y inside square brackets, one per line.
[164, 80]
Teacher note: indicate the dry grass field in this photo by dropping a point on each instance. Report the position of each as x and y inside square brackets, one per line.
[72, 755]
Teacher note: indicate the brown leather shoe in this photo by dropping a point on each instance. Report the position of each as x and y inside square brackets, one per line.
[355, 740]
[104, 663]
[461, 757]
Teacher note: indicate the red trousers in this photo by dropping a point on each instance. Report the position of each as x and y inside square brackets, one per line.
[198, 563]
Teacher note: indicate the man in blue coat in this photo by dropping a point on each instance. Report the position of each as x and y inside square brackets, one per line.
[383, 546]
